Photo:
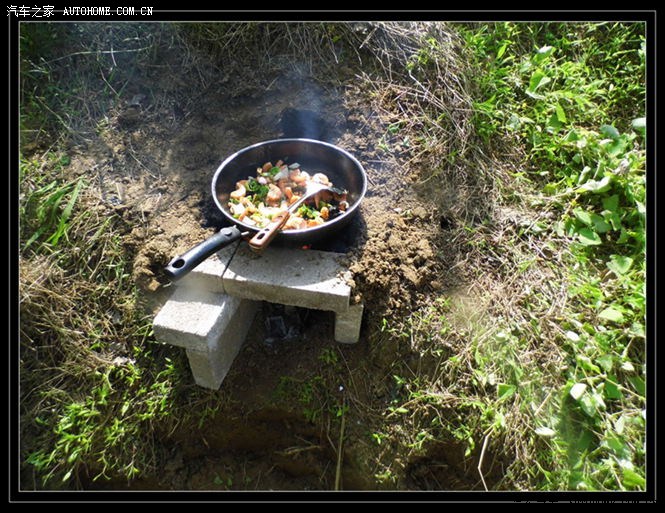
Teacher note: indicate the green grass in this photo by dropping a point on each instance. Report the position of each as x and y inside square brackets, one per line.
[552, 369]
[95, 387]
[573, 97]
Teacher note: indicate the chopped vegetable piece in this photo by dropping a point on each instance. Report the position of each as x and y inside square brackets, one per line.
[257, 200]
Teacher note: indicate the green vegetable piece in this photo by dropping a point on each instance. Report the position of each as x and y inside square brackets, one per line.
[253, 185]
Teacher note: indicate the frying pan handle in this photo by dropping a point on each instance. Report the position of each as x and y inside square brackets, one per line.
[181, 265]
[264, 236]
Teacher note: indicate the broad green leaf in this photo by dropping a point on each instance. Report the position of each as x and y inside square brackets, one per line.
[591, 403]
[542, 54]
[577, 390]
[584, 175]
[611, 389]
[610, 131]
[588, 237]
[639, 123]
[504, 391]
[502, 49]
[571, 136]
[619, 264]
[599, 224]
[611, 203]
[538, 227]
[588, 406]
[605, 361]
[617, 445]
[545, 432]
[624, 236]
[564, 228]
[627, 367]
[587, 364]
[613, 218]
[597, 186]
[538, 80]
[636, 330]
[632, 480]
[617, 147]
[487, 104]
[560, 113]
[639, 385]
[572, 336]
[611, 314]
[641, 208]
[597, 401]
[553, 122]
[620, 424]
[513, 122]
[583, 216]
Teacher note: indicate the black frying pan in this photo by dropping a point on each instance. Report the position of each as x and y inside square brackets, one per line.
[342, 169]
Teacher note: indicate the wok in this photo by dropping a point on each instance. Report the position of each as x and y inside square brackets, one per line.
[342, 169]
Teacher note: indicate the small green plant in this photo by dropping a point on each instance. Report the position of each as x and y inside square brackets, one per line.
[329, 357]
[106, 426]
[46, 208]
[378, 438]
[220, 481]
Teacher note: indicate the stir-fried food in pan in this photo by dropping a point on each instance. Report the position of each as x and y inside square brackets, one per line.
[257, 200]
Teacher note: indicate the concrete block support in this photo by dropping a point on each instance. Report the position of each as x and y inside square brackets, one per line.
[347, 324]
[212, 308]
[208, 274]
[211, 327]
[309, 279]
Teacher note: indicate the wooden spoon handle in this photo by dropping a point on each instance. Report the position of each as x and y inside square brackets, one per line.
[263, 237]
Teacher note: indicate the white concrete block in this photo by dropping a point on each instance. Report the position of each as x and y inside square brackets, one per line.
[193, 319]
[347, 324]
[208, 274]
[202, 321]
[305, 278]
[211, 366]
[207, 370]
[212, 327]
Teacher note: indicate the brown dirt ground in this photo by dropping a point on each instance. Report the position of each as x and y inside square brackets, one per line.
[153, 163]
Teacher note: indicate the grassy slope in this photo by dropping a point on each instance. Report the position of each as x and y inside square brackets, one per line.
[547, 367]
[572, 97]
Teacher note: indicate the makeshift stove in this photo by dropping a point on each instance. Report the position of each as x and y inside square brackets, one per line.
[212, 308]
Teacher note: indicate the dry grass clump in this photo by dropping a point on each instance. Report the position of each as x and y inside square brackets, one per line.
[91, 384]
[423, 94]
